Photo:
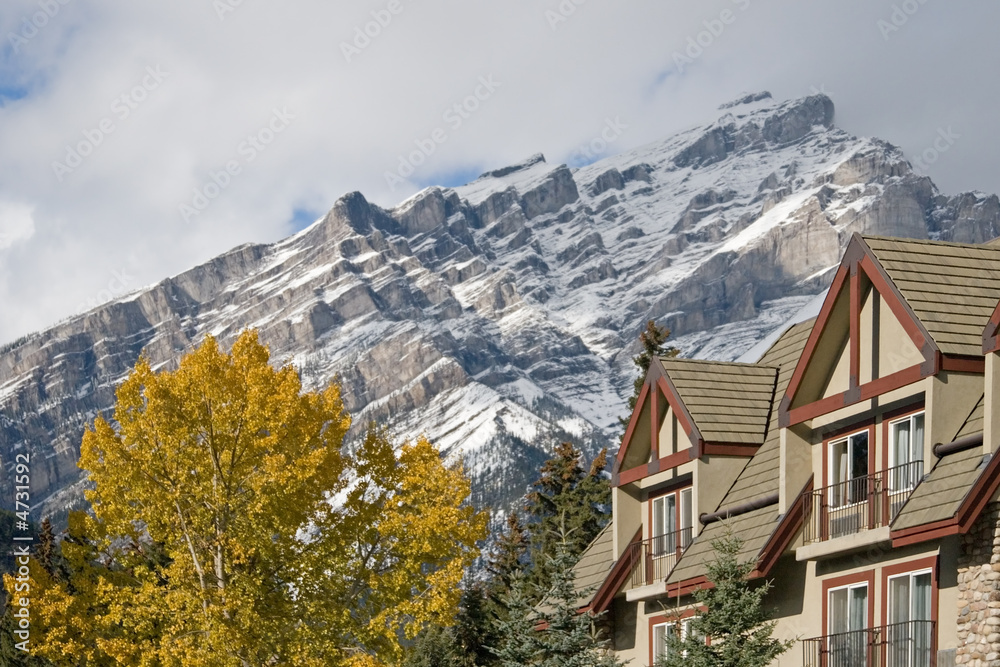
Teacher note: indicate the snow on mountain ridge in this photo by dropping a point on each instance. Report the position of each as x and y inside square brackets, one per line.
[499, 317]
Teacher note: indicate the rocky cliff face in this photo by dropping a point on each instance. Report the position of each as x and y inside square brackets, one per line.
[499, 317]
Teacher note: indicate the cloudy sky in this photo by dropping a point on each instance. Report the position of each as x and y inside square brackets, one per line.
[138, 139]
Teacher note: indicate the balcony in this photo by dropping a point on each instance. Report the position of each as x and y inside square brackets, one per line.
[652, 560]
[863, 503]
[908, 644]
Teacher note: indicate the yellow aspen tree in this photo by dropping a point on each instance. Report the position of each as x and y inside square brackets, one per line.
[229, 529]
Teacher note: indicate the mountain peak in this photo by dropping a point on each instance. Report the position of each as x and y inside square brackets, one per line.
[500, 316]
[537, 158]
[746, 98]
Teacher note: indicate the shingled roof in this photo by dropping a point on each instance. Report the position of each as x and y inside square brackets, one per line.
[760, 477]
[729, 402]
[952, 288]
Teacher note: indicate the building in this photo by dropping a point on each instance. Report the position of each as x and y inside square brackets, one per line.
[854, 459]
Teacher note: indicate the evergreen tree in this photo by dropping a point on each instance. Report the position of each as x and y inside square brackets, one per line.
[570, 638]
[508, 556]
[435, 647]
[652, 340]
[10, 656]
[476, 627]
[566, 499]
[733, 617]
[520, 645]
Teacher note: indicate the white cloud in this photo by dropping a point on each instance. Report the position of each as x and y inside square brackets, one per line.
[16, 223]
[119, 208]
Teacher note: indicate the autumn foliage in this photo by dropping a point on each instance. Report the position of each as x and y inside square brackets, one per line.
[231, 528]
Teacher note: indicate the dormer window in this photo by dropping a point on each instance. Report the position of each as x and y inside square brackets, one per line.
[671, 527]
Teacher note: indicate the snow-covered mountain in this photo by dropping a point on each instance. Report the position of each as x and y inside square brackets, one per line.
[499, 317]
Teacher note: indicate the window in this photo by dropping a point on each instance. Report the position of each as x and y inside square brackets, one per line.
[662, 630]
[660, 633]
[909, 631]
[848, 470]
[906, 452]
[847, 609]
[672, 517]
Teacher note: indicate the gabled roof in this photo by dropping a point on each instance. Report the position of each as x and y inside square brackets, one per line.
[953, 288]
[729, 402]
[760, 477]
[723, 407]
[942, 294]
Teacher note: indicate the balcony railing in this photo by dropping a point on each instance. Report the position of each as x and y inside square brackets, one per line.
[653, 559]
[910, 644]
[859, 504]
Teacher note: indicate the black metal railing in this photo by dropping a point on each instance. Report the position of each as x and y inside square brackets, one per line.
[859, 504]
[910, 644]
[653, 559]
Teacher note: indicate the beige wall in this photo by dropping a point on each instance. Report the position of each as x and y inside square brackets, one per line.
[991, 422]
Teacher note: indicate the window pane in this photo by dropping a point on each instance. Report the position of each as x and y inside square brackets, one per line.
[839, 617]
[686, 515]
[859, 608]
[657, 517]
[838, 473]
[670, 529]
[901, 446]
[899, 599]
[659, 641]
[859, 467]
[921, 604]
[859, 455]
[918, 439]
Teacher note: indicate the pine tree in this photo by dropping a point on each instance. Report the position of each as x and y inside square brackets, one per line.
[508, 556]
[520, 645]
[570, 638]
[733, 617]
[476, 627]
[566, 495]
[435, 647]
[652, 340]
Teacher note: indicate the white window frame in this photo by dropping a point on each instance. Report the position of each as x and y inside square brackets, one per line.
[668, 625]
[910, 655]
[848, 588]
[909, 575]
